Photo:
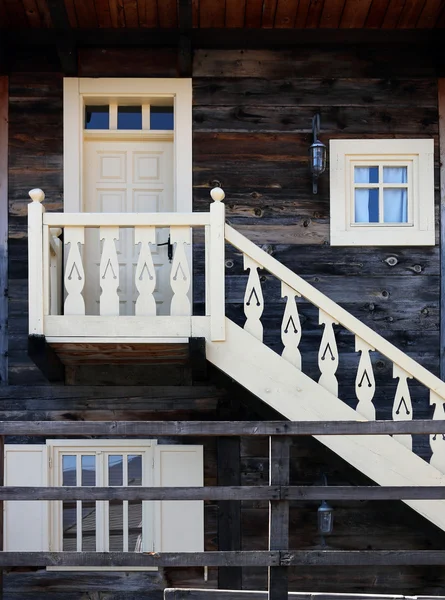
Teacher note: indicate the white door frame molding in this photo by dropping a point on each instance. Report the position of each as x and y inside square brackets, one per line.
[77, 91]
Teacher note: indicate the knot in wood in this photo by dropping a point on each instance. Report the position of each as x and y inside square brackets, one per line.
[391, 261]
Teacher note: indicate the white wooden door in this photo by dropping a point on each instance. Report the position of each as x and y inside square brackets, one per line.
[127, 176]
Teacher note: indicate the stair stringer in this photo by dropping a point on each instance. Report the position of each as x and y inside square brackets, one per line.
[299, 398]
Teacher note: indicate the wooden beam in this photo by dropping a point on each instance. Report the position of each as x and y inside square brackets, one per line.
[4, 101]
[66, 48]
[46, 358]
[216, 428]
[256, 558]
[279, 465]
[441, 107]
[229, 511]
[231, 38]
[209, 594]
[224, 493]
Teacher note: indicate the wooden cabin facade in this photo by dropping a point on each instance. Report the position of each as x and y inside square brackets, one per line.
[275, 304]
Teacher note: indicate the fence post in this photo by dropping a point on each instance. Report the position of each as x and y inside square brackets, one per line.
[279, 461]
[216, 270]
[35, 262]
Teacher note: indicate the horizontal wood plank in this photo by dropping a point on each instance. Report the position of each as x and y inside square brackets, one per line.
[225, 428]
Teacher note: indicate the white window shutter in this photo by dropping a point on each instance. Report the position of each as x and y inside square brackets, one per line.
[179, 525]
[26, 527]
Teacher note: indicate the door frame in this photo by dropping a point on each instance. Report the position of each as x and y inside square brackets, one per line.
[77, 91]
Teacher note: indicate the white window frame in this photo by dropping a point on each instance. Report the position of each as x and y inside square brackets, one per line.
[59, 448]
[77, 92]
[418, 156]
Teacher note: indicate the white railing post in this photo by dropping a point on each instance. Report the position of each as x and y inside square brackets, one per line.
[35, 262]
[55, 272]
[216, 270]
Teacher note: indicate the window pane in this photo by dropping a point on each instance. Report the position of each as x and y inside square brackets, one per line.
[395, 174]
[89, 526]
[69, 470]
[88, 470]
[97, 117]
[366, 205]
[135, 470]
[366, 174]
[395, 206]
[129, 117]
[69, 539]
[115, 470]
[135, 526]
[116, 525]
[161, 117]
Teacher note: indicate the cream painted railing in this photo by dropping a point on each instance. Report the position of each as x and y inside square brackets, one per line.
[48, 317]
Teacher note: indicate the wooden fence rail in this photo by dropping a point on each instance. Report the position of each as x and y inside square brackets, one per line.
[220, 428]
[251, 558]
[273, 492]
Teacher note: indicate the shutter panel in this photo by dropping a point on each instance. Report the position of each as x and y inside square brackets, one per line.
[179, 524]
[26, 524]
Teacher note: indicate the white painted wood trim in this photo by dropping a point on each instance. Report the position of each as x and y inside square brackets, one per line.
[305, 289]
[418, 156]
[77, 91]
[108, 327]
[216, 272]
[126, 219]
[299, 398]
[35, 268]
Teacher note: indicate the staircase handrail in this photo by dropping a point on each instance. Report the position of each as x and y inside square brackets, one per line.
[335, 311]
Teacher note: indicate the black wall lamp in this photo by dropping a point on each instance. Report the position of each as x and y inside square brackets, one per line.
[317, 154]
[325, 515]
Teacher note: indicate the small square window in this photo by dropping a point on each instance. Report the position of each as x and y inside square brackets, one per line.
[382, 192]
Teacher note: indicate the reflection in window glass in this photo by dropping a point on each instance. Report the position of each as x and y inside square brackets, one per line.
[115, 470]
[69, 470]
[366, 205]
[134, 469]
[88, 470]
[97, 117]
[116, 525]
[129, 117]
[161, 117]
[366, 174]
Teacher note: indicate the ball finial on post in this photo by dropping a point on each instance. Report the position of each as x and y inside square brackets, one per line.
[37, 195]
[217, 194]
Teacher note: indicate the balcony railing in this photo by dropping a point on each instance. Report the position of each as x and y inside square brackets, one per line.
[58, 273]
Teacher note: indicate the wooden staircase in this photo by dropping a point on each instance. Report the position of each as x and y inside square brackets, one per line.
[277, 380]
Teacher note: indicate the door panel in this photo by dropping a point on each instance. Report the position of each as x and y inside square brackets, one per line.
[127, 176]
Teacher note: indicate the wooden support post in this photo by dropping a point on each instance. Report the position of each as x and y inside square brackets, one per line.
[4, 95]
[279, 457]
[229, 511]
[441, 105]
[217, 267]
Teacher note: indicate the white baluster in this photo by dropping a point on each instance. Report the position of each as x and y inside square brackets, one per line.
[180, 272]
[145, 277]
[35, 262]
[74, 272]
[55, 272]
[328, 354]
[437, 441]
[253, 299]
[364, 381]
[109, 272]
[402, 409]
[291, 327]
